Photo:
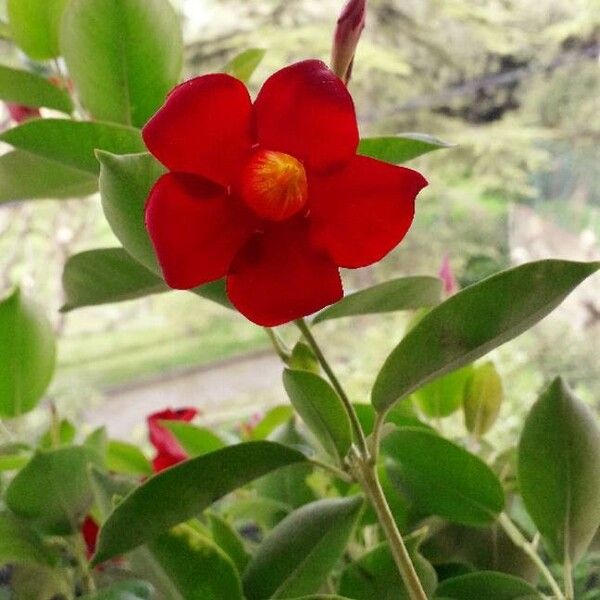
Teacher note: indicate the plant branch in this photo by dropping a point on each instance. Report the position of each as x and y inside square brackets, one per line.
[312, 342]
[520, 541]
[332, 469]
[370, 483]
[278, 346]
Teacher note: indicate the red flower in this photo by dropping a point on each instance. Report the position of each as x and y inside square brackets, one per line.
[271, 195]
[169, 451]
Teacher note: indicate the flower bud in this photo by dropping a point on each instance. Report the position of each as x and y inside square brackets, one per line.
[19, 113]
[347, 34]
[446, 274]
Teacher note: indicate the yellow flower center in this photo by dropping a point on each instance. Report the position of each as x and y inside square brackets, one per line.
[274, 185]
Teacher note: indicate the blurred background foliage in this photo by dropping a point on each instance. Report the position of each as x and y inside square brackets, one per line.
[513, 83]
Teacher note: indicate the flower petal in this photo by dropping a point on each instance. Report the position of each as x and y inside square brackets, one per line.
[278, 277]
[204, 127]
[305, 110]
[196, 229]
[167, 447]
[361, 213]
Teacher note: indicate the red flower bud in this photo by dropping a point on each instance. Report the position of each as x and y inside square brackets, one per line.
[19, 113]
[446, 274]
[347, 34]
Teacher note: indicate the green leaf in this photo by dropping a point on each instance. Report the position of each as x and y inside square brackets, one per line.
[244, 64]
[443, 396]
[52, 490]
[125, 182]
[24, 176]
[178, 493]
[398, 294]
[62, 435]
[27, 355]
[73, 143]
[274, 417]
[34, 26]
[104, 276]
[123, 590]
[21, 544]
[126, 458]
[29, 89]
[229, 540]
[444, 479]
[193, 439]
[559, 471]
[482, 400]
[199, 569]
[473, 322]
[400, 148]
[375, 575]
[289, 484]
[33, 582]
[303, 359]
[298, 555]
[321, 410]
[486, 584]
[13, 462]
[97, 444]
[124, 57]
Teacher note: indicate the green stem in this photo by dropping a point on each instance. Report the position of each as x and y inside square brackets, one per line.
[520, 541]
[334, 470]
[278, 346]
[312, 342]
[568, 578]
[364, 468]
[370, 483]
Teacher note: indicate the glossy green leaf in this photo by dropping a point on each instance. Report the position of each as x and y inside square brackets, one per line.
[486, 584]
[559, 471]
[199, 569]
[124, 57]
[273, 418]
[126, 458]
[471, 323]
[483, 399]
[24, 176]
[298, 555]
[104, 276]
[401, 148]
[398, 294]
[178, 493]
[175, 560]
[73, 143]
[35, 25]
[288, 485]
[27, 355]
[125, 182]
[321, 410]
[444, 479]
[29, 89]
[123, 590]
[61, 434]
[229, 540]
[19, 543]
[52, 490]
[375, 575]
[193, 439]
[443, 396]
[244, 64]
[304, 359]
[13, 462]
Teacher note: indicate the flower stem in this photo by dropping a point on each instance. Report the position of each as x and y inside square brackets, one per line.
[568, 578]
[371, 485]
[364, 468]
[520, 541]
[312, 342]
[278, 346]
